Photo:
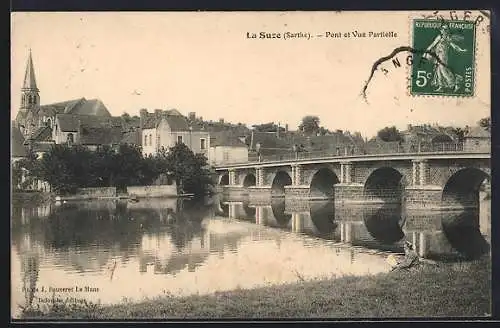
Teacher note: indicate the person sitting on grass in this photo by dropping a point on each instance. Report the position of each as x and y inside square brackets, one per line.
[411, 258]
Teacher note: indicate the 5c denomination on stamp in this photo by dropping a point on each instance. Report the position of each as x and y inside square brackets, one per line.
[444, 57]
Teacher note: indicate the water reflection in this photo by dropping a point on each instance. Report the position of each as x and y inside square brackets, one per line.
[182, 246]
[462, 231]
[278, 208]
[435, 234]
[384, 224]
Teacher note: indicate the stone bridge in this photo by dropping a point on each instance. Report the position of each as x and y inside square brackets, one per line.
[418, 181]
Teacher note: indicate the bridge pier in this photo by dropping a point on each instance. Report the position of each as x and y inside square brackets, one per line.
[259, 192]
[234, 192]
[348, 193]
[298, 222]
[423, 197]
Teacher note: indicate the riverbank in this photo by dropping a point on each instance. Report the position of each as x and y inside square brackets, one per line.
[450, 289]
[33, 198]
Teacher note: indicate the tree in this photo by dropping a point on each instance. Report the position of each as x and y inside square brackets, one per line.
[17, 175]
[460, 133]
[26, 166]
[485, 123]
[323, 131]
[55, 167]
[190, 171]
[309, 125]
[127, 166]
[389, 134]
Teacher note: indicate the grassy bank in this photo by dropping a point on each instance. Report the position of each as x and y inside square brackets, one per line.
[450, 289]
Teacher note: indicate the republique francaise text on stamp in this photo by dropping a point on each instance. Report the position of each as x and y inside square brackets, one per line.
[444, 57]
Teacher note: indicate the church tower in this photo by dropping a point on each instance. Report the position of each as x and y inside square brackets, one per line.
[30, 98]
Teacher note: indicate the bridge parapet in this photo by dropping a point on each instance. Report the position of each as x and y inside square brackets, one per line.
[444, 147]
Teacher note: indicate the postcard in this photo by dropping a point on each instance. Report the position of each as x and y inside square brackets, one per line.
[250, 165]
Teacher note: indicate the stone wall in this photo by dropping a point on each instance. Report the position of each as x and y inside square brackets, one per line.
[89, 193]
[153, 191]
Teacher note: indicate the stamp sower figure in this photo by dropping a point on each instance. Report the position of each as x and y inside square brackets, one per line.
[443, 76]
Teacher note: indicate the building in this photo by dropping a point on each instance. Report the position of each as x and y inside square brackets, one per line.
[165, 128]
[88, 130]
[77, 121]
[477, 139]
[225, 148]
[427, 137]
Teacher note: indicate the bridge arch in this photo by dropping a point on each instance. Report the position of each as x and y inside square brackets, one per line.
[322, 183]
[249, 180]
[223, 179]
[280, 180]
[278, 209]
[462, 230]
[385, 183]
[462, 188]
[384, 224]
[250, 212]
[323, 217]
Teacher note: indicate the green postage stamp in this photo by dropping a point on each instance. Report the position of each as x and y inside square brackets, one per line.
[444, 58]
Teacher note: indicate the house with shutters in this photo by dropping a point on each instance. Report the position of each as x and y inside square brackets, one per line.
[164, 128]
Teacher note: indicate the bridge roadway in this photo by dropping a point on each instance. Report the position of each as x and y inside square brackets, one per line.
[447, 179]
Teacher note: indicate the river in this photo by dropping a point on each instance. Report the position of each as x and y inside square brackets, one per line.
[114, 251]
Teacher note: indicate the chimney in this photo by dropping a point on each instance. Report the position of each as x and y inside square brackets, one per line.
[192, 116]
[286, 127]
[221, 120]
[278, 131]
[409, 127]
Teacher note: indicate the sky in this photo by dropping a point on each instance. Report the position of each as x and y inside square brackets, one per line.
[204, 63]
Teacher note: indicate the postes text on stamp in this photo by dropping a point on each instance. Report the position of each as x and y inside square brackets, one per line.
[444, 58]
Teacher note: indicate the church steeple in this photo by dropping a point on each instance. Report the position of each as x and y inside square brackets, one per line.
[30, 97]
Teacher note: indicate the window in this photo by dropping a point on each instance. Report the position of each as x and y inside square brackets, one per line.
[179, 139]
[150, 139]
[70, 139]
[145, 140]
[203, 145]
